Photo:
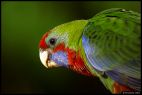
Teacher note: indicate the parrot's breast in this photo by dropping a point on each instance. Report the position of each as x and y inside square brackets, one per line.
[77, 64]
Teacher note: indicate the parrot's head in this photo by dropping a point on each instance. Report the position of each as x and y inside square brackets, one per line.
[60, 45]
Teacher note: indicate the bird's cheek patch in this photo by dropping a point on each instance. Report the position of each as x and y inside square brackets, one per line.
[60, 58]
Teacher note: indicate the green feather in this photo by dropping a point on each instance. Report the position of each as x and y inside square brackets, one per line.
[70, 33]
[115, 31]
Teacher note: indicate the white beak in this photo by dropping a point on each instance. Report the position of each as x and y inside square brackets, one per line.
[43, 57]
[44, 54]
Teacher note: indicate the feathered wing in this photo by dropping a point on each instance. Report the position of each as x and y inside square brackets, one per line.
[112, 44]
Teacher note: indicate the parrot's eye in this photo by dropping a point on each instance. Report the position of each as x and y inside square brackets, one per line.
[52, 41]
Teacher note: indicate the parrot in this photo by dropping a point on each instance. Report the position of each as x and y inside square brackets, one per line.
[107, 46]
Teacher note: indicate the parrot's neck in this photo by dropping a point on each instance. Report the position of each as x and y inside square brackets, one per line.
[72, 59]
[77, 63]
[75, 50]
[73, 44]
[75, 33]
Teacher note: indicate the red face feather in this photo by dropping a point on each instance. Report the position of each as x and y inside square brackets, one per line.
[60, 47]
[42, 43]
[76, 63]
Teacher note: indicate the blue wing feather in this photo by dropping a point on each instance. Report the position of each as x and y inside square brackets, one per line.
[124, 79]
[128, 74]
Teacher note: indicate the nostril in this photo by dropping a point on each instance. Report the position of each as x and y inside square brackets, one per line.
[50, 56]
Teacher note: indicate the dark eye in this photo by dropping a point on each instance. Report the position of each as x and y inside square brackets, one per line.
[52, 41]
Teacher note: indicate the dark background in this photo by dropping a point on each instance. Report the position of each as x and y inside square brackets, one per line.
[23, 24]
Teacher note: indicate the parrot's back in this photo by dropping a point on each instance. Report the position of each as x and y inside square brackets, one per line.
[112, 44]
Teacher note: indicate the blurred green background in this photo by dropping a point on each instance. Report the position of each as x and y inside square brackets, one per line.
[22, 26]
